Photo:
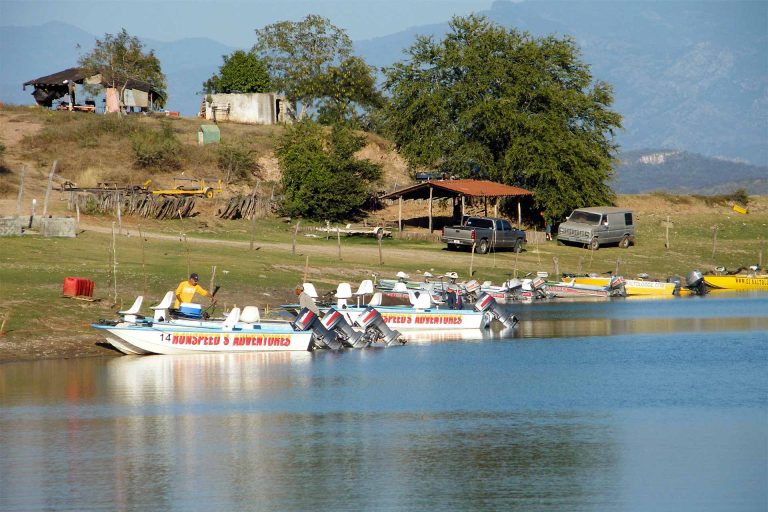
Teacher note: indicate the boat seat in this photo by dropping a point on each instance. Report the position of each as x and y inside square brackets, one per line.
[132, 314]
[310, 289]
[376, 299]
[162, 310]
[250, 315]
[400, 287]
[421, 301]
[231, 320]
[343, 292]
[365, 288]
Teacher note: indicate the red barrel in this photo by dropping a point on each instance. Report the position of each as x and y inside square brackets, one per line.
[70, 286]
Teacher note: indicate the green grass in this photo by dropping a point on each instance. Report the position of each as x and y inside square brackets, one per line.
[32, 269]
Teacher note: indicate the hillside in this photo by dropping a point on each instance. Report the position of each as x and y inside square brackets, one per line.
[690, 76]
[88, 153]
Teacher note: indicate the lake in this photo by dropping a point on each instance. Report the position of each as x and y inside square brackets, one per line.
[627, 405]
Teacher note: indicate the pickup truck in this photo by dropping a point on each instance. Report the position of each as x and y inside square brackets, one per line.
[484, 233]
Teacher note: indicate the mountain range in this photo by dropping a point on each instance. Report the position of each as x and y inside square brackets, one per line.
[688, 76]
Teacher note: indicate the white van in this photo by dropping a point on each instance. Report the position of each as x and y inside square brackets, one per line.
[596, 226]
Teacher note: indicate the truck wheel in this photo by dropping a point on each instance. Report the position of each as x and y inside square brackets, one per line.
[518, 248]
[594, 244]
[482, 247]
[625, 243]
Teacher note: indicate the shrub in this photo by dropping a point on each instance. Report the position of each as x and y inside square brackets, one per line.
[236, 159]
[156, 149]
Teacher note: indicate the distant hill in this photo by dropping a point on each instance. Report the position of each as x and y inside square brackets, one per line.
[31, 52]
[686, 173]
[687, 75]
[690, 76]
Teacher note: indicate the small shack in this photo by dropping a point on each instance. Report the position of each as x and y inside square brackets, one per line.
[208, 134]
[252, 108]
[135, 93]
[457, 190]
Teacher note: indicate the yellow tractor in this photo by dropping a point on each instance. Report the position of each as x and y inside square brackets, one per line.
[201, 187]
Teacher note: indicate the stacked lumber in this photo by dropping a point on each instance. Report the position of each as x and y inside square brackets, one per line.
[143, 205]
[246, 207]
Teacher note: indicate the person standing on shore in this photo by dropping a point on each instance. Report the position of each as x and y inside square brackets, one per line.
[187, 289]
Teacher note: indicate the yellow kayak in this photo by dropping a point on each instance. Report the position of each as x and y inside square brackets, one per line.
[632, 286]
[737, 282]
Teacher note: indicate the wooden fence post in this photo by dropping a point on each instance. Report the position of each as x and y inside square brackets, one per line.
[48, 188]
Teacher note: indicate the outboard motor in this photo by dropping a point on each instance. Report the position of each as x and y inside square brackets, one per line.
[487, 303]
[678, 283]
[539, 287]
[616, 286]
[695, 282]
[323, 338]
[371, 318]
[335, 321]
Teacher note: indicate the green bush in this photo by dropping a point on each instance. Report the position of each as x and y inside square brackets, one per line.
[156, 149]
[237, 161]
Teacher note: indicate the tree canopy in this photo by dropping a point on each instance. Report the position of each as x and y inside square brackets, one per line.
[242, 72]
[322, 180]
[121, 58]
[522, 110]
[311, 62]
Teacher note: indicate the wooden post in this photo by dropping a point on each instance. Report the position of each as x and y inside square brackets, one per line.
[667, 236]
[338, 241]
[578, 266]
[77, 212]
[556, 265]
[21, 190]
[48, 188]
[618, 264]
[119, 215]
[328, 229]
[400, 214]
[114, 261]
[295, 233]
[378, 240]
[253, 228]
[306, 269]
[471, 258]
[430, 208]
[519, 215]
[143, 259]
[714, 239]
[463, 206]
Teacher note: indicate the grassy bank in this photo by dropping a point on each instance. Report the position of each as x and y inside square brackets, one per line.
[39, 322]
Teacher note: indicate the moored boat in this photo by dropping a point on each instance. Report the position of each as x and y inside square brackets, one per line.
[632, 286]
[740, 282]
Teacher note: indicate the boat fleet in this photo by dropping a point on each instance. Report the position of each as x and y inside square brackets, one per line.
[387, 312]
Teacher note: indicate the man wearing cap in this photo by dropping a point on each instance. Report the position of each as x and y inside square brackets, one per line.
[187, 289]
[305, 301]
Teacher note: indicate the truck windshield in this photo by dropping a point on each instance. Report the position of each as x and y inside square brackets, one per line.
[584, 217]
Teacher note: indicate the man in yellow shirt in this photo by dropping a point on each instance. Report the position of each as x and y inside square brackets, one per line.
[186, 290]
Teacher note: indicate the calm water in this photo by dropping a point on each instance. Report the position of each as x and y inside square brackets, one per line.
[626, 405]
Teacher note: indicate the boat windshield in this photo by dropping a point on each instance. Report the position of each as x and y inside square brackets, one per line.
[585, 217]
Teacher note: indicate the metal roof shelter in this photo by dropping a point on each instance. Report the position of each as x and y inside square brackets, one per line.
[52, 87]
[456, 189]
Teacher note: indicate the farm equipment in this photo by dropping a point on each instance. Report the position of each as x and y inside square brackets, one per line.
[202, 187]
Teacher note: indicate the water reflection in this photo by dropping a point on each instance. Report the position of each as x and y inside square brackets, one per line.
[612, 422]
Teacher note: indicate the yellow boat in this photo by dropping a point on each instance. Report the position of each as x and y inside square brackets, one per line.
[632, 286]
[739, 282]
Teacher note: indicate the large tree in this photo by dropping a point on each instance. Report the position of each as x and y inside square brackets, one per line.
[120, 59]
[322, 180]
[311, 62]
[522, 110]
[242, 72]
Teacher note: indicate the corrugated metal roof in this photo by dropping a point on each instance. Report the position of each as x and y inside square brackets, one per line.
[60, 78]
[453, 188]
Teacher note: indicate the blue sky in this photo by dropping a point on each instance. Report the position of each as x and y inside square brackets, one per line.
[229, 21]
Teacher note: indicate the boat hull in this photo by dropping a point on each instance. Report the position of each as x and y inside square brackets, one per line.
[631, 286]
[174, 339]
[739, 283]
[409, 319]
